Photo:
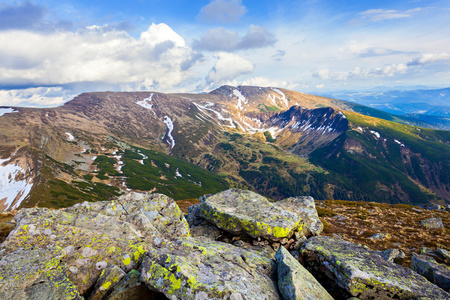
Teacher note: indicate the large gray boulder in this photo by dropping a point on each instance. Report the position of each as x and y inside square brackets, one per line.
[202, 269]
[432, 223]
[365, 274]
[295, 282]
[241, 211]
[305, 208]
[439, 274]
[35, 274]
[99, 234]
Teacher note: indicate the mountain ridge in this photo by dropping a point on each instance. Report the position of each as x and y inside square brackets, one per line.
[271, 140]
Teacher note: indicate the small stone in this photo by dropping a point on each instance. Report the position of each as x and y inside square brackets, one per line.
[379, 236]
[101, 265]
[394, 255]
[432, 223]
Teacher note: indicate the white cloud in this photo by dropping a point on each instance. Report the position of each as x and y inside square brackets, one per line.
[377, 15]
[268, 82]
[227, 67]
[323, 74]
[429, 58]
[221, 39]
[38, 97]
[320, 86]
[159, 58]
[222, 11]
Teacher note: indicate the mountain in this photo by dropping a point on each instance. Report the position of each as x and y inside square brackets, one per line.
[277, 142]
[421, 107]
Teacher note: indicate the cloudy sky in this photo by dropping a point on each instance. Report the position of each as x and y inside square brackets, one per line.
[53, 50]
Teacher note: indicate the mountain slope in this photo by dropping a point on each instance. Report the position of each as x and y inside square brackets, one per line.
[278, 142]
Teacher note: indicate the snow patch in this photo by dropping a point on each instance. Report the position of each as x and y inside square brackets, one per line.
[12, 189]
[169, 125]
[177, 173]
[94, 157]
[70, 137]
[146, 103]
[360, 129]
[282, 96]
[400, 143]
[6, 111]
[241, 100]
[207, 107]
[342, 114]
[375, 134]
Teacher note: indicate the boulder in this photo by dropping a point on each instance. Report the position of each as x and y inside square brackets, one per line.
[241, 211]
[436, 273]
[394, 255]
[99, 234]
[363, 273]
[201, 269]
[306, 209]
[379, 236]
[35, 274]
[432, 223]
[295, 282]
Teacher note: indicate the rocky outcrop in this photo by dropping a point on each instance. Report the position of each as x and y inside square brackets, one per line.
[200, 269]
[295, 282]
[436, 273]
[240, 211]
[96, 235]
[363, 273]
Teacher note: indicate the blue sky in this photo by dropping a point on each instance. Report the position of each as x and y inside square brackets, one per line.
[53, 50]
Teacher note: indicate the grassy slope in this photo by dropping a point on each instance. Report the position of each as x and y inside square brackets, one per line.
[382, 171]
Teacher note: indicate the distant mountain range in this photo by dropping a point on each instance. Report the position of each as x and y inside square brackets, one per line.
[423, 107]
[277, 142]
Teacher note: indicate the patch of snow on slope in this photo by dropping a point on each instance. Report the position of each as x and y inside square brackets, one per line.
[70, 137]
[400, 143]
[119, 162]
[143, 157]
[169, 125]
[6, 111]
[10, 188]
[241, 99]
[146, 103]
[375, 134]
[207, 107]
[283, 96]
[360, 129]
[177, 173]
[94, 157]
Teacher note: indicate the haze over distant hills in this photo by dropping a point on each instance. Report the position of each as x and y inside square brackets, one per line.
[277, 142]
[426, 105]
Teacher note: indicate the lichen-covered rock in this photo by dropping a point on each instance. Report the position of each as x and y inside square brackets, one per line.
[96, 235]
[379, 236]
[35, 274]
[241, 211]
[432, 223]
[306, 209]
[107, 280]
[394, 255]
[132, 288]
[295, 282]
[201, 269]
[365, 274]
[436, 273]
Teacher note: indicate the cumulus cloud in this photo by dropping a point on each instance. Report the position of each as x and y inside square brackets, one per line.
[429, 58]
[268, 82]
[228, 66]
[36, 97]
[159, 58]
[378, 15]
[222, 11]
[221, 39]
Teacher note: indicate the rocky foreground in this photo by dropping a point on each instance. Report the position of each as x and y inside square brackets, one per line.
[232, 245]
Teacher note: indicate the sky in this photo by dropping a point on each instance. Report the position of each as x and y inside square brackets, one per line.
[50, 50]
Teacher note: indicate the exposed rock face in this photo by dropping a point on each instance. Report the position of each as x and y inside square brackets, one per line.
[239, 211]
[35, 274]
[97, 235]
[365, 274]
[306, 209]
[394, 255]
[200, 269]
[436, 273]
[432, 223]
[295, 282]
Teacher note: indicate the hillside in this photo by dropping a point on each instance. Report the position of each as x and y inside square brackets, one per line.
[277, 142]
